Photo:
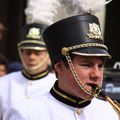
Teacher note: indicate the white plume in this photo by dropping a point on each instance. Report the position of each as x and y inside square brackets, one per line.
[42, 11]
[75, 7]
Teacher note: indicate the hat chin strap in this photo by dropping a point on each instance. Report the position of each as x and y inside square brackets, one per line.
[38, 68]
[88, 92]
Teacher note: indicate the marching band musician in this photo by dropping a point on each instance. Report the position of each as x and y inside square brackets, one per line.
[35, 79]
[78, 54]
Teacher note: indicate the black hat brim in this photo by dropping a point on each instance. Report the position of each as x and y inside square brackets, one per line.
[37, 45]
[93, 51]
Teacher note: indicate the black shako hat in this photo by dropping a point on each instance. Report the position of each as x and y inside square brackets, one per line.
[31, 37]
[80, 35]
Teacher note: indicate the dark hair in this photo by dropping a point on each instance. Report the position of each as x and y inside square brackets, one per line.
[65, 62]
[4, 61]
[15, 66]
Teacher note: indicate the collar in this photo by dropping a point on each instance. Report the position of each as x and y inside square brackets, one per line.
[66, 98]
[36, 76]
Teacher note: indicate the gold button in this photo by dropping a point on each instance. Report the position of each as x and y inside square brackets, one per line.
[78, 111]
[28, 97]
[30, 83]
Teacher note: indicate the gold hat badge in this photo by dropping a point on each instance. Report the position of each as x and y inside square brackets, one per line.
[34, 33]
[94, 31]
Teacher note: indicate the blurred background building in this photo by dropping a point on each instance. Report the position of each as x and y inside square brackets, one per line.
[12, 17]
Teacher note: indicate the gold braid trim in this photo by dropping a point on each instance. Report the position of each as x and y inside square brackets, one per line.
[68, 98]
[31, 41]
[67, 49]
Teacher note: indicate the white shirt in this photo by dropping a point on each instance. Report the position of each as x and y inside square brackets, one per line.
[15, 88]
[46, 107]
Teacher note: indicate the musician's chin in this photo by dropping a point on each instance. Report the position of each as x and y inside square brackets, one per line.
[89, 97]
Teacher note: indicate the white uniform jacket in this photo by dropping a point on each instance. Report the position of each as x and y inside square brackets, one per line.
[46, 107]
[15, 88]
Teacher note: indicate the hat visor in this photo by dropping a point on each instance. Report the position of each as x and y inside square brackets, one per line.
[33, 46]
[93, 51]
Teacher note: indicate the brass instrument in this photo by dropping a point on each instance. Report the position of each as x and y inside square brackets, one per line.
[115, 104]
